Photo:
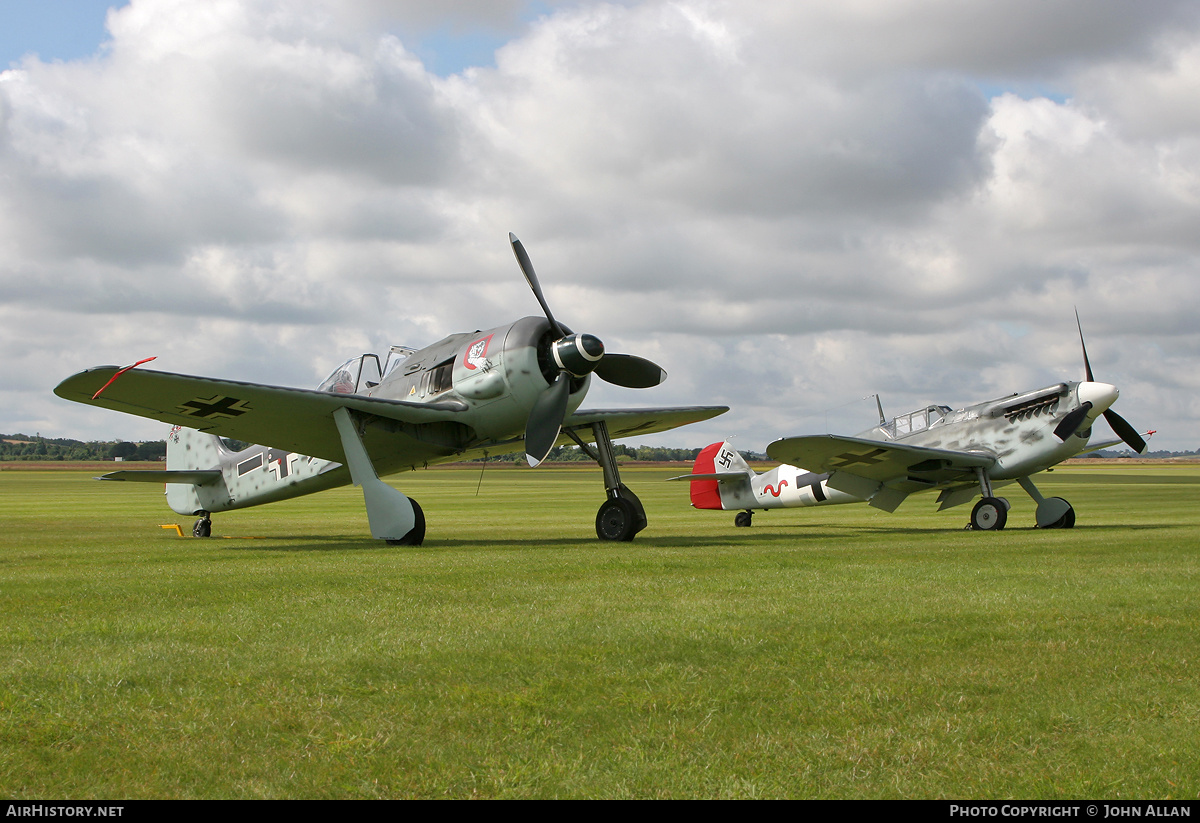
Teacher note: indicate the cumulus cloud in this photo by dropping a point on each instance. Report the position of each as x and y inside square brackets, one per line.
[790, 206]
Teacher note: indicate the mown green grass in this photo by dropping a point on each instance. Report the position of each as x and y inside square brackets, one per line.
[839, 652]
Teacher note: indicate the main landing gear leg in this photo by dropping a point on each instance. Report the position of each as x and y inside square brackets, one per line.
[990, 513]
[621, 516]
[393, 517]
[1052, 512]
[203, 526]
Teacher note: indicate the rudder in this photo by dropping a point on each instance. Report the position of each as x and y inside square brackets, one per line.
[717, 458]
[188, 449]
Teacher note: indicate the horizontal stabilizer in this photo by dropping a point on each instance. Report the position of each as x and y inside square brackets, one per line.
[195, 477]
[721, 477]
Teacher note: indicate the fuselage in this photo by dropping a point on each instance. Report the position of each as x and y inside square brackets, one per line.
[491, 378]
[1018, 432]
[496, 374]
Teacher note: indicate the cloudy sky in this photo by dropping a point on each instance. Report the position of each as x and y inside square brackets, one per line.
[790, 206]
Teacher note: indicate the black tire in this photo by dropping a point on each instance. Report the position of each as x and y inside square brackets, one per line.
[989, 515]
[1067, 521]
[416, 535]
[743, 520]
[617, 519]
[203, 528]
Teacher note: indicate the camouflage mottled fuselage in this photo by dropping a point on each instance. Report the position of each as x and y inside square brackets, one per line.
[953, 451]
[493, 376]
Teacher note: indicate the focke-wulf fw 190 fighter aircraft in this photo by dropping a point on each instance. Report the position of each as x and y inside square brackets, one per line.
[471, 395]
[960, 453]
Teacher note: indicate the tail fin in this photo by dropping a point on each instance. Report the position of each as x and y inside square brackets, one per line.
[190, 450]
[207, 474]
[715, 459]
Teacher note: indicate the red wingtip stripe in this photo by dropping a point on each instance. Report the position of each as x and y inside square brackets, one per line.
[120, 372]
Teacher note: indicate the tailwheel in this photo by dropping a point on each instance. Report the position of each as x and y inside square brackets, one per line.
[617, 519]
[416, 535]
[203, 526]
[743, 519]
[989, 514]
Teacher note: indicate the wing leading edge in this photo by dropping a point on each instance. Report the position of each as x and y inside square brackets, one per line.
[300, 420]
[620, 423]
[633, 422]
[876, 459]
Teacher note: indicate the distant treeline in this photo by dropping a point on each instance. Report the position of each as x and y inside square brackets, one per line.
[570, 454]
[27, 447]
[647, 454]
[1105, 454]
[34, 447]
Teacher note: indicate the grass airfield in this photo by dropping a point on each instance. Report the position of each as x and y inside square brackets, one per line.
[838, 652]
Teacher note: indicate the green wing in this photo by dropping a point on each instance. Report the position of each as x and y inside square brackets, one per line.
[298, 420]
[633, 422]
[301, 420]
[878, 471]
[877, 460]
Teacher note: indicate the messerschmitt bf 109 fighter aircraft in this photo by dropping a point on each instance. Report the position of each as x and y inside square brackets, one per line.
[476, 394]
[960, 453]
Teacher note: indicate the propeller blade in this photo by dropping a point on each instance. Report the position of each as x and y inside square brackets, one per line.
[1069, 424]
[1125, 431]
[531, 278]
[630, 371]
[1087, 367]
[1118, 423]
[545, 419]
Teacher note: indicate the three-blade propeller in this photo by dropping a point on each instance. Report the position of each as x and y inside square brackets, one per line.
[1074, 419]
[575, 355]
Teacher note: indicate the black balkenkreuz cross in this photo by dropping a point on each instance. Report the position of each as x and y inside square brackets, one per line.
[868, 459]
[215, 406]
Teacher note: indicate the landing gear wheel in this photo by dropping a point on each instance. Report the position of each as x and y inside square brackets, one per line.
[743, 519]
[202, 528]
[1067, 521]
[616, 520]
[1055, 513]
[989, 514]
[416, 535]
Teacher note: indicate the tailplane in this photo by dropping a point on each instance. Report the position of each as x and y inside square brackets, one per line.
[193, 475]
[206, 474]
